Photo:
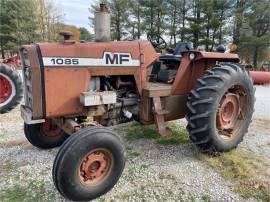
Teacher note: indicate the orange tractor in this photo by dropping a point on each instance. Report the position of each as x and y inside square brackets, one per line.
[11, 87]
[76, 89]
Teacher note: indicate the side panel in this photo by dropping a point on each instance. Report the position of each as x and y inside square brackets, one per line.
[62, 90]
[64, 85]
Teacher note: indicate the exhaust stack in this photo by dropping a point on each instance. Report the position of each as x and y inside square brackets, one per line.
[102, 24]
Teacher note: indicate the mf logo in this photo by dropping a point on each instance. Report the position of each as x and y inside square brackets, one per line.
[117, 58]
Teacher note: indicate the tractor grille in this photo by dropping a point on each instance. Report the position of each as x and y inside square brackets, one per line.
[27, 77]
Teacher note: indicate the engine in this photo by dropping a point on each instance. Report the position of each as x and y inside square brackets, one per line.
[126, 107]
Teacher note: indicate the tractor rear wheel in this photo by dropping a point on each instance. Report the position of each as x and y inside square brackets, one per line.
[88, 164]
[11, 90]
[220, 108]
[44, 135]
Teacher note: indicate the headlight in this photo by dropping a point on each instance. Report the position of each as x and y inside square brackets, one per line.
[192, 56]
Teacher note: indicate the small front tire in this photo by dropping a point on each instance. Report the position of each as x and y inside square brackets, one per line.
[44, 135]
[88, 164]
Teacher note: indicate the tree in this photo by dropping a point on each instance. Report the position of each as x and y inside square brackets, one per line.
[134, 21]
[254, 39]
[174, 18]
[7, 25]
[85, 34]
[48, 20]
[119, 16]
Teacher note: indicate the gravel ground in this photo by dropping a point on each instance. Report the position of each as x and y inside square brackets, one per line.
[153, 172]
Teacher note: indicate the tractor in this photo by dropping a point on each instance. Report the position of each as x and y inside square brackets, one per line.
[11, 87]
[76, 90]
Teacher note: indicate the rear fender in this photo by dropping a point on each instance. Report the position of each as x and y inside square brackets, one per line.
[191, 70]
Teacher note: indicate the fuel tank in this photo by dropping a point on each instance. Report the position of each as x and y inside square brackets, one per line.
[260, 77]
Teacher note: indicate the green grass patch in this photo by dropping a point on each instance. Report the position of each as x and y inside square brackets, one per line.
[137, 131]
[204, 198]
[244, 170]
[179, 136]
[32, 191]
[166, 176]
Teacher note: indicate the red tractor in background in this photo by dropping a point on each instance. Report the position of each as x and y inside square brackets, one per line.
[11, 89]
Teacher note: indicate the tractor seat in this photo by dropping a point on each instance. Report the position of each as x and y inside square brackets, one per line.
[176, 55]
[170, 58]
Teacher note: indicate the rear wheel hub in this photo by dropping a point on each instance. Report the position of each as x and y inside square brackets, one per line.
[231, 112]
[228, 111]
[6, 89]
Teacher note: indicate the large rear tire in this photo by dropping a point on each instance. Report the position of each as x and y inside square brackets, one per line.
[220, 108]
[11, 90]
[44, 135]
[88, 164]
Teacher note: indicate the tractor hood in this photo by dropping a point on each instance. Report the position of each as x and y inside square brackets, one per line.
[101, 54]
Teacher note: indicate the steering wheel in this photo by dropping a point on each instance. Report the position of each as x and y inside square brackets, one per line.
[157, 41]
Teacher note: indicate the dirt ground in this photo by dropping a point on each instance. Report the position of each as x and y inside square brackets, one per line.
[153, 172]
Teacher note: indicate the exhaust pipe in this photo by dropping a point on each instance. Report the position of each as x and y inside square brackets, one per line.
[102, 24]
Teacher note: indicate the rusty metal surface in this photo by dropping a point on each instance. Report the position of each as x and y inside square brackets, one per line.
[96, 167]
[229, 57]
[231, 113]
[63, 85]
[159, 113]
[175, 105]
[68, 125]
[189, 71]
[157, 89]
[228, 111]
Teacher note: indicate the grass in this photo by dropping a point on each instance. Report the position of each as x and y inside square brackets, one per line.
[245, 171]
[165, 176]
[18, 193]
[137, 131]
[12, 143]
[204, 198]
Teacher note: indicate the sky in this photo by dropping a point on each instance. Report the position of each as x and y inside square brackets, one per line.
[75, 12]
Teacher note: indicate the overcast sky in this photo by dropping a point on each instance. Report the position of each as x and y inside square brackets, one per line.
[75, 12]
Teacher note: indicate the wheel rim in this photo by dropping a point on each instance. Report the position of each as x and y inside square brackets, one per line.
[231, 112]
[7, 91]
[95, 167]
[49, 129]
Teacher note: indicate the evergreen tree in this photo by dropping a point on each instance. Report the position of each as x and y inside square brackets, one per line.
[85, 34]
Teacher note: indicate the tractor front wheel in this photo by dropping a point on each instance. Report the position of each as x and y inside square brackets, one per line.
[88, 164]
[220, 108]
[45, 135]
[10, 88]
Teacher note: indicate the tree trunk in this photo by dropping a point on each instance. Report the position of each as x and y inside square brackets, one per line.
[198, 17]
[118, 29]
[183, 20]
[158, 24]
[151, 20]
[220, 26]
[2, 51]
[255, 57]
[139, 22]
[207, 34]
